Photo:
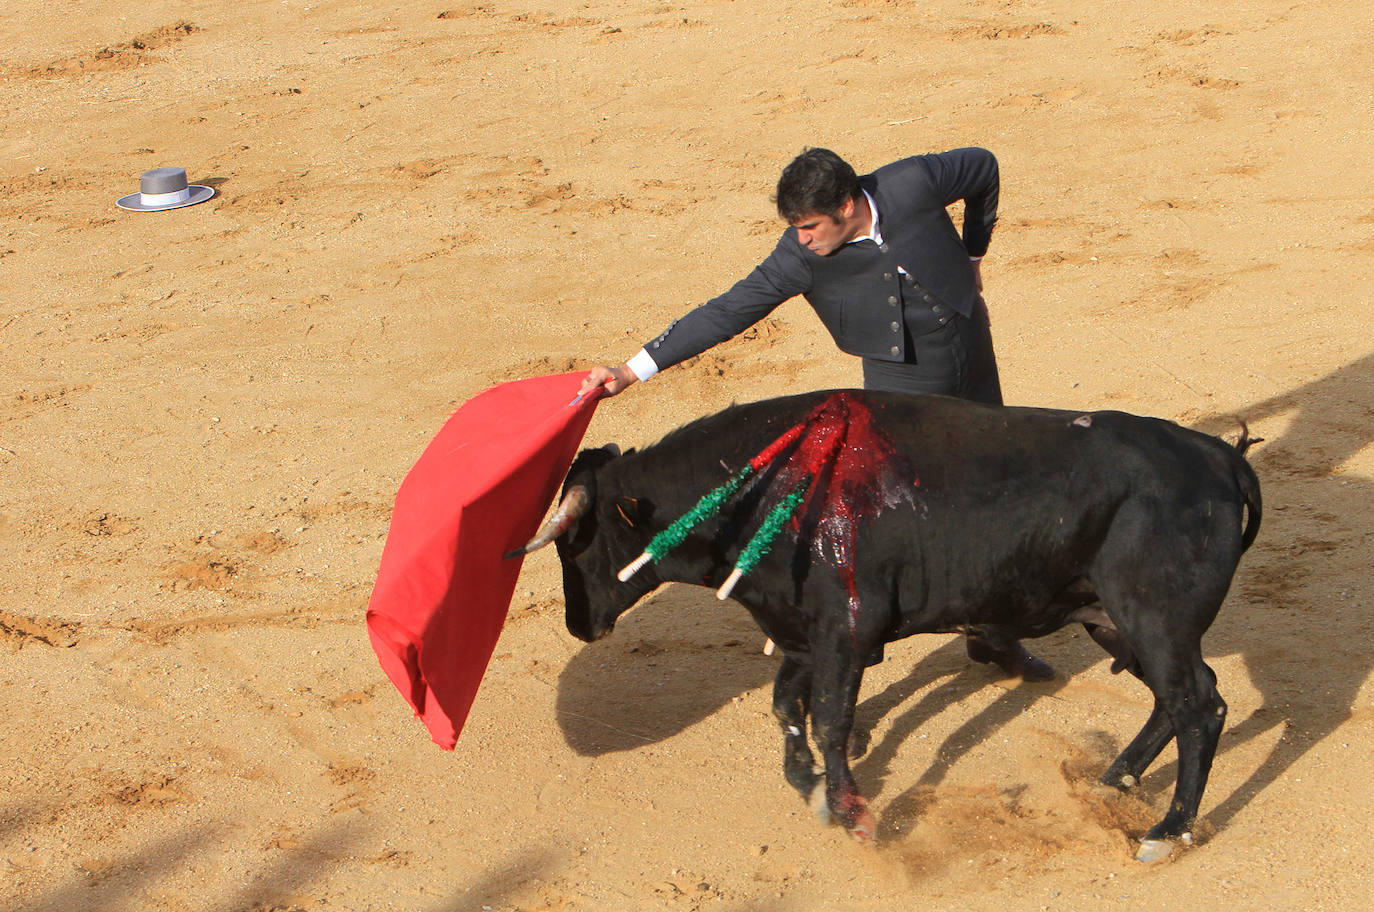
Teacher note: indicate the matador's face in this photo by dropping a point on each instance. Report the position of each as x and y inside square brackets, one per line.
[824, 234]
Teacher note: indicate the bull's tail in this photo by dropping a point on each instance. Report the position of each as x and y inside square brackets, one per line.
[1245, 441]
[1249, 486]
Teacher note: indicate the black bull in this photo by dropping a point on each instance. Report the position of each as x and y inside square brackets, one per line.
[928, 514]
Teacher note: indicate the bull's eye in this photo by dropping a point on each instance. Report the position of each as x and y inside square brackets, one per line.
[628, 508]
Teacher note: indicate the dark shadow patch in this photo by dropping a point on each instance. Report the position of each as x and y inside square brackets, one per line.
[671, 662]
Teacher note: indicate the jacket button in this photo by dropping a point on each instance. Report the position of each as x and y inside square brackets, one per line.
[926, 297]
[895, 351]
[892, 299]
[896, 327]
[937, 310]
[887, 277]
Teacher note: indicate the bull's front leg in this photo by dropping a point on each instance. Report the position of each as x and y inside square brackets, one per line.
[791, 702]
[836, 675]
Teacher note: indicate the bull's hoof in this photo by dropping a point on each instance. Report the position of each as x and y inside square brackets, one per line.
[864, 827]
[1154, 850]
[856, 818]
[1120, 781]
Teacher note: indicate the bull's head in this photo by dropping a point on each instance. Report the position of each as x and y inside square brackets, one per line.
[592, 530]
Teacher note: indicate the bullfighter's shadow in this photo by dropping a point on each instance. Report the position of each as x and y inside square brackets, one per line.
[1298, 616]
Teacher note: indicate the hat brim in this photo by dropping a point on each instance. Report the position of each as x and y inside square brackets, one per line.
[132, 202]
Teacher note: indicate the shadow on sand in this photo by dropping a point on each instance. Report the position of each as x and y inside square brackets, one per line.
[119, 885]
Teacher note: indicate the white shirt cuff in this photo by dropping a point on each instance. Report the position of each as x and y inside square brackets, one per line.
[642, 365]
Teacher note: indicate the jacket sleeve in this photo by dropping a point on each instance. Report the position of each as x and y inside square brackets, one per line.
[782, 275]
[969, 175]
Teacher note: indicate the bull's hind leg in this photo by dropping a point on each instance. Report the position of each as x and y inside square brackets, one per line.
[791, 703]
[1185, 689]
[1163, 572]
[1158, 730]
[1198, 713]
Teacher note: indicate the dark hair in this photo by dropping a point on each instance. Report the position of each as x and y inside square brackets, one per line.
[817, 182]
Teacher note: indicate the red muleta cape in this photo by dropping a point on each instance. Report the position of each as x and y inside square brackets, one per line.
[477, 492]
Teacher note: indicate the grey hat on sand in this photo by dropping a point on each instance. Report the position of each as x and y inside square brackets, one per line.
[164, 188]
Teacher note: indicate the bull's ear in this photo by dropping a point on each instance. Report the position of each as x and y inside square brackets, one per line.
[628, 508]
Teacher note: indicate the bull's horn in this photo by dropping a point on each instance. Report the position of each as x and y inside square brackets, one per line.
[574, 505]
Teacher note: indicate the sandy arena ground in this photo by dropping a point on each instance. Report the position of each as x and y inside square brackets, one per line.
[205, 414]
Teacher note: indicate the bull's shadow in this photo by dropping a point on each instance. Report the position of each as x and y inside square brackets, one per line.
[673, 660]
[1298, 616]
[945, 678]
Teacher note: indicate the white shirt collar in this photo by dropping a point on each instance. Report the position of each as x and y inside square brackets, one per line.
[874, 234]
